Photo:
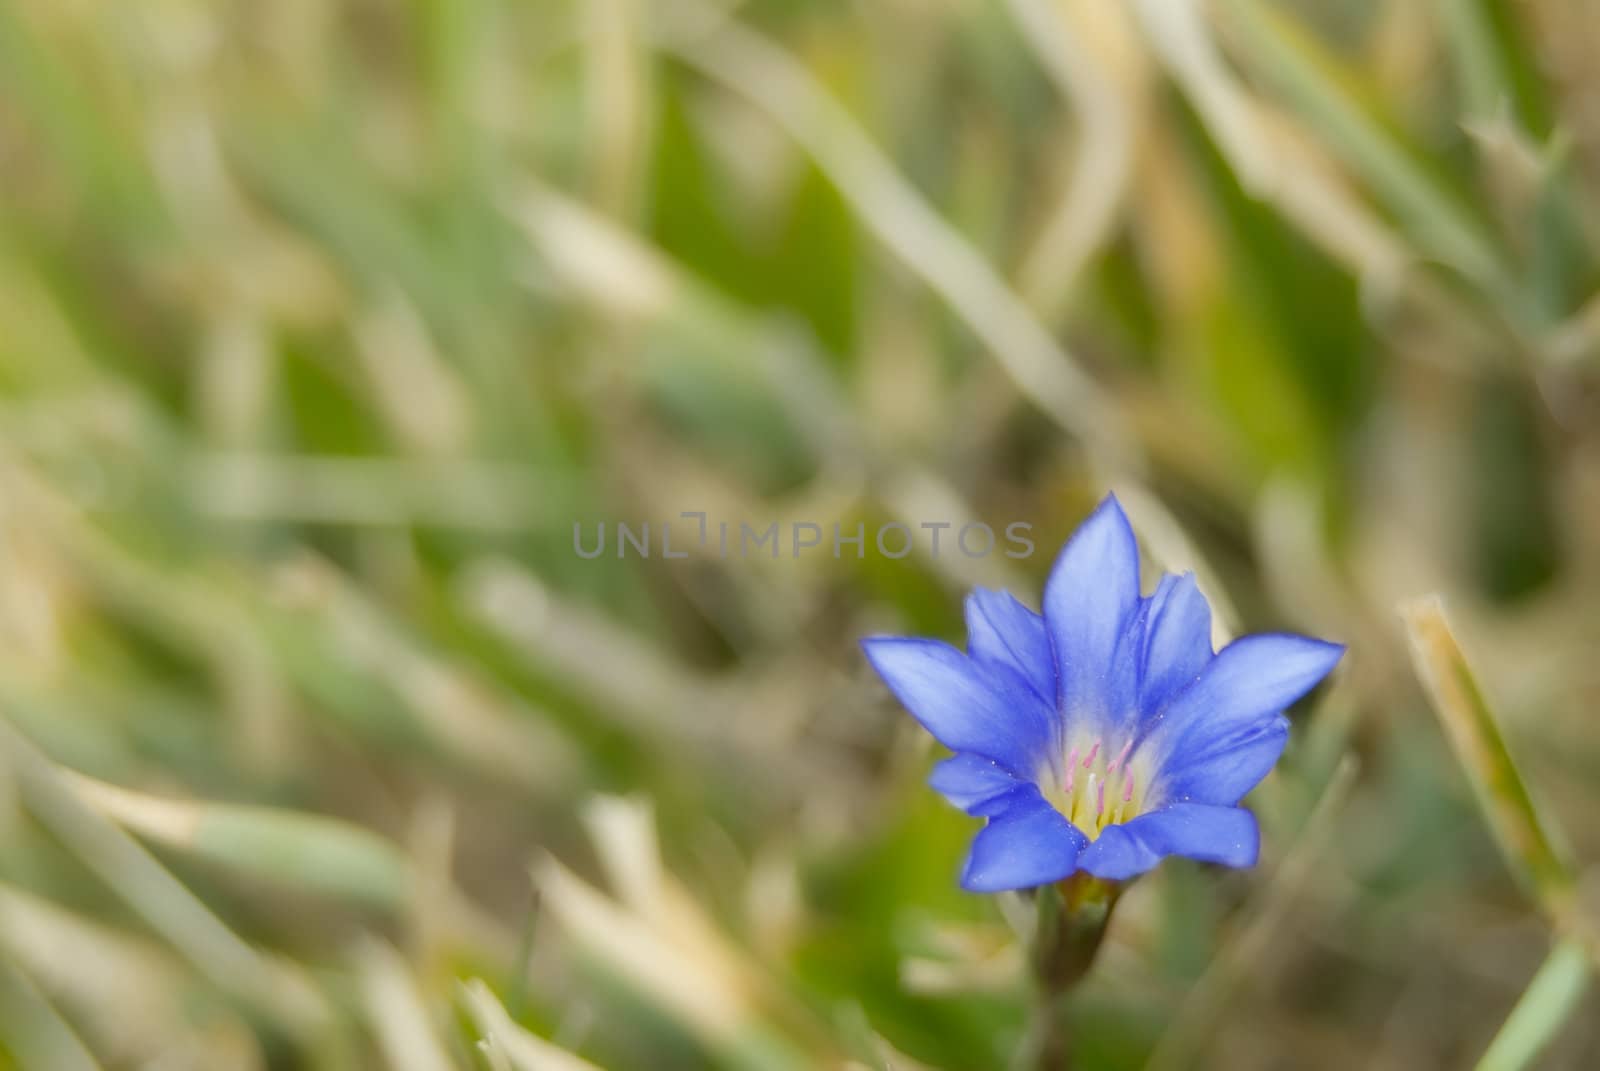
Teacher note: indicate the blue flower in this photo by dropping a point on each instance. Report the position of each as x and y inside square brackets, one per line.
[1105, 734]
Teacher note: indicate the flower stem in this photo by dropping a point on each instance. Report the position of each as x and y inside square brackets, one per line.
[1072, 919]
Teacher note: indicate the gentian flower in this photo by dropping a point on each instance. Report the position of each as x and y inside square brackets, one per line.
[1106, 733]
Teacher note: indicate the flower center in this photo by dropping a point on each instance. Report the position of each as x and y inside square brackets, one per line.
[1095, 787]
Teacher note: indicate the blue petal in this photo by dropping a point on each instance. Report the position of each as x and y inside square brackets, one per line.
[1029, 843]
[1177, 641]
[975, 784]
[1224, 772]
[1000, 629]
[1226, 835]
[1090, 601]
[987, 710]
[1251, 680]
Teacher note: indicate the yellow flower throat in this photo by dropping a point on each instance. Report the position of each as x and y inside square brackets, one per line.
[1095, 787]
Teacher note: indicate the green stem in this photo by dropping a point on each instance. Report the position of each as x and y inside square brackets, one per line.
[1073, 916]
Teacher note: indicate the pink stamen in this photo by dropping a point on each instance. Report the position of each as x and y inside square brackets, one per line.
[1121, 757]
[1127, 788]
[1072, 757]
[1100, 800]
[1088, 760]
[1070, 773]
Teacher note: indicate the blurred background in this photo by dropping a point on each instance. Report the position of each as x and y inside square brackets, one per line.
[322, 324]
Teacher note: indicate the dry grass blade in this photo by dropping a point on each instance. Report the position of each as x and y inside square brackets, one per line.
[1270, 165]
[295, 849]
[505, 1044]
[304, 850]
[135, 1005]
[398, 1015]
[657, 938]
[1524, 834]
[154, 894]
[617, 86]
[1107, 109]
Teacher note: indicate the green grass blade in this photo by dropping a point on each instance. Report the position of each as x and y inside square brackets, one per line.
[35, 1033]
[1438, 222]
[303, 850]
[1543, 1009]
[1484, 82]
[151, 892]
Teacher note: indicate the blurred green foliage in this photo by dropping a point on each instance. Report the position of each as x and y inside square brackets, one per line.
[321, 324]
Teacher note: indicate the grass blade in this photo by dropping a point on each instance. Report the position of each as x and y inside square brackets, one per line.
[1443, 228]
[1550, 998]
[286, 847]
[749, 64]
[399, 1017]
[35, 1032]
[504, 1042]
[1523, 833]
[151, 892]
[1484, 83]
